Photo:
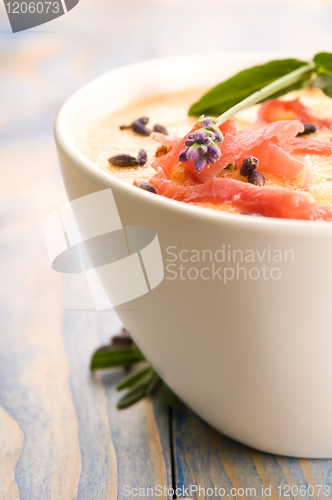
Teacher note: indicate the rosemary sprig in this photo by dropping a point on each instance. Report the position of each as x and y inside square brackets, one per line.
[134, 377]
[110, 357]
[141, 382]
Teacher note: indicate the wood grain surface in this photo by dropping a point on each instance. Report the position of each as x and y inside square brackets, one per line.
[61, 437]
[207, 458]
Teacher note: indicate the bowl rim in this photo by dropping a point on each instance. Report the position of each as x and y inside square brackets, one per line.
[66, 144]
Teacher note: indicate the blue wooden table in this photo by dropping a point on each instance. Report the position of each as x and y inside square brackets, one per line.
[61, 436]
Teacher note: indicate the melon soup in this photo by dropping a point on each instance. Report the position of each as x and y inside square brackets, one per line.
[248, 353]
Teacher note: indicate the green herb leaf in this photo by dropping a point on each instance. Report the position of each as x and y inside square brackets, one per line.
[134, 377]
[154, 381]
[324, 82]
[323, 61]
[109, 357]
[132, 396]
[234, 90]
[146, 384]
[171, 399]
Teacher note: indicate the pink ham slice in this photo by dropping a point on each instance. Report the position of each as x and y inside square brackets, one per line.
[304, 178]
[239, 145]
[275, 110]
[273, 159]
[310, 146]
[269, 202]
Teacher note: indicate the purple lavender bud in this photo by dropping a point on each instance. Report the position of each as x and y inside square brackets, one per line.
[200, 134]
[211, 136]
[208, 123]
[202, 145]
[214, 153]
[218, 135]
[210, 133]
[214, 133]
[183, 156]
[202, 149]
[249, 164]
[189, 142]
[256, 178]
[207, 141]
[200, 164]
[142, 157]
[193, 153]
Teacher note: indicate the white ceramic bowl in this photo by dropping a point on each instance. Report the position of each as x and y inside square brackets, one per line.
[253, 357]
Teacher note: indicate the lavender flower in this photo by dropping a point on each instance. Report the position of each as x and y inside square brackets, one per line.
[202, 145]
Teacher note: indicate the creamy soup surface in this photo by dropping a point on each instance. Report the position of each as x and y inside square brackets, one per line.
[104, 138]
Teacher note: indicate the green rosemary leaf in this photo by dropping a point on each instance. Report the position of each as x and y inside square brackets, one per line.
[154, 381]
[134, 377]
[110, 357]
[132, 396]
[323, 61]
[171, 399]
[324, 82]
[234, 90]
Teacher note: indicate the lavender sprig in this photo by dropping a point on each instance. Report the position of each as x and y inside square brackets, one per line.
[202, 145]
[201, 151]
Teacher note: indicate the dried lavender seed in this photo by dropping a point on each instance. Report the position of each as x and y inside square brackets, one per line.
[161, 129]
[248, 165]
[145, 185]
[309, 128]
[140, 128]
[142, 157]
[256, 178]
[123, 160]
[143, 119]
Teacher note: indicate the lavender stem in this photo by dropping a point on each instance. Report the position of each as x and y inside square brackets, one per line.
[265, 92]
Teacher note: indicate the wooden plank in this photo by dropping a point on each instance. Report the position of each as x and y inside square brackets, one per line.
[118, 448]
[61, 436]
[34, 389]
[207, 458]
